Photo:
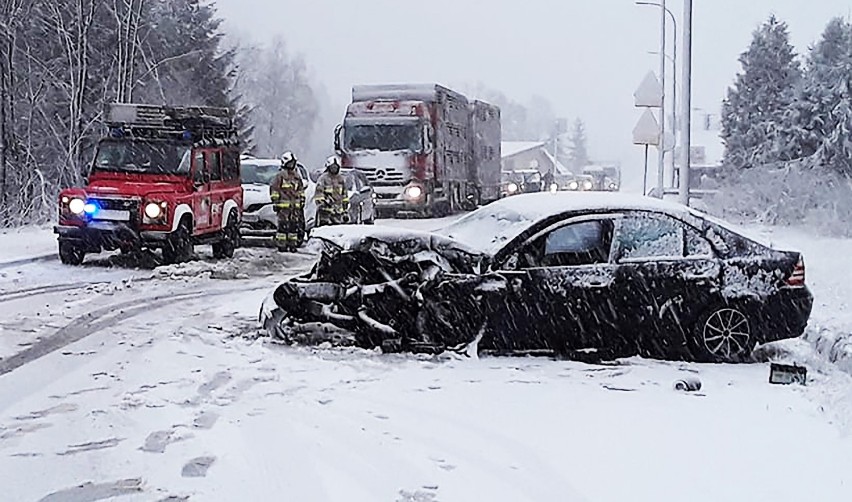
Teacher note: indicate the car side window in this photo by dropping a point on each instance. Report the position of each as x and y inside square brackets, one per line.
[574, 244]
[214, 166]
[200, 176]
[696, 245]
[231, 165]
[647, 236]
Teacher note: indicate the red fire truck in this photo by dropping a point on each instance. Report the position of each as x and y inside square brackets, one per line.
[426, 149]
[163, 177]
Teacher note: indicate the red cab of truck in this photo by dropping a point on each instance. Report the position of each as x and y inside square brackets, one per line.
[426, 149]
[163, 177]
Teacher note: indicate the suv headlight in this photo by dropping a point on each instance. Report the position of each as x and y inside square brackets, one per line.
[155, 212]
[77, 206]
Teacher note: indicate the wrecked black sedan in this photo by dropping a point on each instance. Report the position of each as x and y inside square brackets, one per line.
[582, 276]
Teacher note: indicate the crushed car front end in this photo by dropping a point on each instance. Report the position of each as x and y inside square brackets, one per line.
[382, 287]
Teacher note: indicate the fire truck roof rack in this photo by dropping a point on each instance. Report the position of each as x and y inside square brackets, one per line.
[201, 121]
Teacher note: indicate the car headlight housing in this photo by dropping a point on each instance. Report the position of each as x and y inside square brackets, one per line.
[512, 187]
[77, 206]
[573, 185]
[154, 212]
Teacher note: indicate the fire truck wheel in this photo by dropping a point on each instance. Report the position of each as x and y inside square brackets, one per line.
[178, 248]
[69, 254]
[230, 239]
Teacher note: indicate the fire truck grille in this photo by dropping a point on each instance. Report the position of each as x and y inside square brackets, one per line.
[119, 204]
[384, 175]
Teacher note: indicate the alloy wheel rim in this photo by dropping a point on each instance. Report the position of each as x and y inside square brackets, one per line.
[727, 333]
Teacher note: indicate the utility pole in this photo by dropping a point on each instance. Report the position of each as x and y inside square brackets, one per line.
[686, 103]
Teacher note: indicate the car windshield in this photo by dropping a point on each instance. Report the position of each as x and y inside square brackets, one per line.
[383, 137]
[261, 174]
[143, 156]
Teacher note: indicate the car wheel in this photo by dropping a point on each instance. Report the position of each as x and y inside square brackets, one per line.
[178, 248]
[723, 334]
[230, 240]
[70, 254]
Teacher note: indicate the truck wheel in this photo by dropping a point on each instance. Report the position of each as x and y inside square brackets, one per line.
[230, 240]
[178, 248]
[69, 254]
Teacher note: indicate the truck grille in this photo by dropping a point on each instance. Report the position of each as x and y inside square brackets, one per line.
[115, 204]
[119, 204]
[384, 175]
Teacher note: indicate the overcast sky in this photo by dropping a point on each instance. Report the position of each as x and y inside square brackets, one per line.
[586, 57]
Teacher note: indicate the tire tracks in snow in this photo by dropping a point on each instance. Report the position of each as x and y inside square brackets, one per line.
[102, 318]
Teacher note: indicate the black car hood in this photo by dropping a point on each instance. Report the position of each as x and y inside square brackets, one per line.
[396, 244]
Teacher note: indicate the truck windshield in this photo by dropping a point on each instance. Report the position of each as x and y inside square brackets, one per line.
[143, 156]
[260, 174]
[383, 137]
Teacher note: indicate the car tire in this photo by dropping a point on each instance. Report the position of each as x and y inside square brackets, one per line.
[722, 334]
[179, 247]
[230, 240]
[70, 254]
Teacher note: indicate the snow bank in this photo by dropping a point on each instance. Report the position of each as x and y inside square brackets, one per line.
[828, 275]
[788, 196]
[26, 242]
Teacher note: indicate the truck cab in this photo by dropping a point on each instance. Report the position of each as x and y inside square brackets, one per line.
[424, 148]
[166, 178]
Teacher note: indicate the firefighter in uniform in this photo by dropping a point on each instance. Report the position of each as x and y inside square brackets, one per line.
[331, 196]
[287, 192]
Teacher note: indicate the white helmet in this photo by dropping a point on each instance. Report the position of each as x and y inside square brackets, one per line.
[288, 158]
[332, 161]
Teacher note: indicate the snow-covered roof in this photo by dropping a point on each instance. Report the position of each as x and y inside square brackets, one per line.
[493, 226]
[510, 148]
[560, 167]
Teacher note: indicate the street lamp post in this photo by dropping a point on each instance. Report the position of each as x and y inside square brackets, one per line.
[686, 103]
[671, 15]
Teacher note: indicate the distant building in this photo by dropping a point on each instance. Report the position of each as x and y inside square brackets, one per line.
[517, 155]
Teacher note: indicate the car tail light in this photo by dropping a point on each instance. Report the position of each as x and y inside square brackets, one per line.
[797, 278]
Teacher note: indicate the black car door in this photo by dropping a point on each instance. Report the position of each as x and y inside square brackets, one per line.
[559, 295]
[667, 274]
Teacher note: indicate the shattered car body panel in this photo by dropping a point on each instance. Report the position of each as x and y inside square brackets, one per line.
[579, 275]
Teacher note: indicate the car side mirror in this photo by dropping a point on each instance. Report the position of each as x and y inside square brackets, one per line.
[337, 133]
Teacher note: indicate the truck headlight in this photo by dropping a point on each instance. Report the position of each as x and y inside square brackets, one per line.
[413, 192]
[153, 210]
[154, 213]
[554, 188]
[613, 186]
[587, 185]
[77, 206]
[512, 187]
[573, 185]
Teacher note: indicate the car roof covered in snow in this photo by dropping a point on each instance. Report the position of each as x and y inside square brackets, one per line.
[493, 226]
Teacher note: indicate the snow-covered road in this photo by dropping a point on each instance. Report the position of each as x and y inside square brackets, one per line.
[149, 383]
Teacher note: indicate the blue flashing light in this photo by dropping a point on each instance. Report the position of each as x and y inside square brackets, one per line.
[187, 135]
[90, 208]
[116, 132]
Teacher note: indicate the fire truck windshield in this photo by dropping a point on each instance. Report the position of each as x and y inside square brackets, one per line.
[383, 137]
[143, 156]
